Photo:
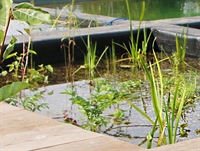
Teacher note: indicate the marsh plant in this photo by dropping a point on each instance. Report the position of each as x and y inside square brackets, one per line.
[170, 95]
[178, 57]
[134, 52]
[104, 95]
[91, 60]
[28, 77]
[168, 105]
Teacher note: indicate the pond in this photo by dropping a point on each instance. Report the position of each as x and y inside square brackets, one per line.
[135, 127]
[154, 10]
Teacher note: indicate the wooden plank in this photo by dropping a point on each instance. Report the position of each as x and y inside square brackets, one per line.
[44, 137]
[24, 130]
[17, 120]
[30, 131]
[102, 143]
[5, 108]
[189, 145]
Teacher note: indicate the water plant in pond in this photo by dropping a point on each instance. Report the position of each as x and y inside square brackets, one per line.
[172, 112]
[90, 58]
[103, 95]
[178, 57]
[134, 52]
[21, 12]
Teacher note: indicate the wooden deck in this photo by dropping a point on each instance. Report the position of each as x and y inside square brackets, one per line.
[21, 130]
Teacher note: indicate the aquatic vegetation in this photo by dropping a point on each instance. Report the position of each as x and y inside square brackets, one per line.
[134, 52]
[170, 94]
[12, 89]
[171, 113]
[22, 12]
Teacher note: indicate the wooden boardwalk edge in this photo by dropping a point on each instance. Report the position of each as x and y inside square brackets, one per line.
[22, 130]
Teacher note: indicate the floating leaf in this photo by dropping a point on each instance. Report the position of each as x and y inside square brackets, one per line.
[197, 131]
[31, 15]
[51, 92]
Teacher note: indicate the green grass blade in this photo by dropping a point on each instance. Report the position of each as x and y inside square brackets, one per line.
[179, 113]
[139, 110]
[154, 128]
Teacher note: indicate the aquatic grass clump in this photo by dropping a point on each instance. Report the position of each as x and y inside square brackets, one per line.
[134, 52]
[91, 61]
[181, 46]
[178, 57]
[167, 103]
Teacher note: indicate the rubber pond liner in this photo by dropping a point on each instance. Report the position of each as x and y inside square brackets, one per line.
[166, 35]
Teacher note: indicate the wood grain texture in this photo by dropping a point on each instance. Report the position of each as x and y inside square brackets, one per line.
[22, 130]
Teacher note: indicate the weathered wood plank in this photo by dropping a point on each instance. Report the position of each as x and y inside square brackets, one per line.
[17, 120]
[23, 130]
[44, 137]
[98, 144]
[31, 131]
[189, 145]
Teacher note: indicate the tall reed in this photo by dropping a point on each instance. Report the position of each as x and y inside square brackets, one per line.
[170, 114]
[134, 52]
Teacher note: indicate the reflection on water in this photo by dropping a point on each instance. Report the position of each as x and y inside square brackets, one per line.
[155, 9]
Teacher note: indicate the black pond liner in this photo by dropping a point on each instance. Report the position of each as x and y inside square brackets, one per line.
[166, 35]
[195, 25]
[50, 50]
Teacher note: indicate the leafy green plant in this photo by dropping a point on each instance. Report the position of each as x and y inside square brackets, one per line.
[22, 12]
[103, 95]
[33, 16]
[12, 89]
[31, 102]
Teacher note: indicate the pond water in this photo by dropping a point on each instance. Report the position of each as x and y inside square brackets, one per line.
[154, 10]
[136, 131]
